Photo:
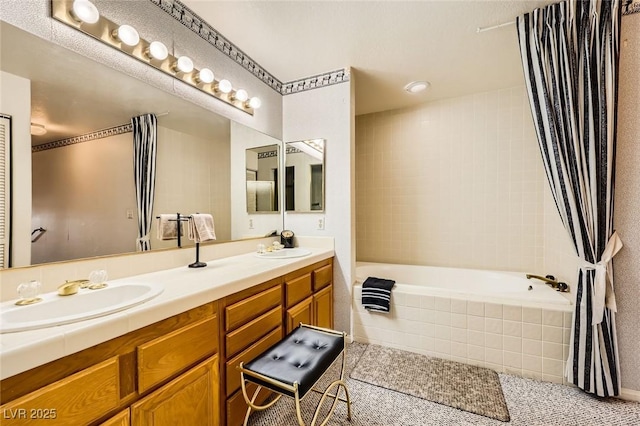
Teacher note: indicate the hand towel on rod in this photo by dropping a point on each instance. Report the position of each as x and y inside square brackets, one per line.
[201, 228]
[167, 227]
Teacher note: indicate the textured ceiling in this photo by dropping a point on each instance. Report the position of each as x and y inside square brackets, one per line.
[388, 43]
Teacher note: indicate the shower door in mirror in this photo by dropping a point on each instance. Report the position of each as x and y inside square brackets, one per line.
[262, 165]
[304, 176]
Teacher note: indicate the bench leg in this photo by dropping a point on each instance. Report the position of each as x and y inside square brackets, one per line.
[339, 384]
[251, 402]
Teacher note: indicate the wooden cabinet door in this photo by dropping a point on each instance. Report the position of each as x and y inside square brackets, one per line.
[123, 418]
[190, 400]
[323, 308]
[300, 313]
[79, 399]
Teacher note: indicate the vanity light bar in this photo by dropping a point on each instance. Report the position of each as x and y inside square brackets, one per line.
[84, 16]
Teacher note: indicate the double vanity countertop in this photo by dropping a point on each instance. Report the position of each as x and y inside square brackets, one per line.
[184, 288]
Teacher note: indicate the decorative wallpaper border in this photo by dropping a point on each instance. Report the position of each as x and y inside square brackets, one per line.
[630, 6]
[192, 21]
[99, 134]
[195, 23]
[267, 154]
[314, 82]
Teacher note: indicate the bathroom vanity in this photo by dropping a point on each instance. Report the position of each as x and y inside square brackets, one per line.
[179, 367]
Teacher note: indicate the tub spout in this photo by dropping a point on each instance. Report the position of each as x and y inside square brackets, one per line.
[549, 279]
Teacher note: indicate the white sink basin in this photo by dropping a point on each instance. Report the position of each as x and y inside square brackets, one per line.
[284, 253]
[86, 304]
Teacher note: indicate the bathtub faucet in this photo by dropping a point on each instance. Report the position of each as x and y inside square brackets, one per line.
[550, 280]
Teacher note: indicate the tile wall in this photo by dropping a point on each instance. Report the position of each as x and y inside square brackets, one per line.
[456, 182]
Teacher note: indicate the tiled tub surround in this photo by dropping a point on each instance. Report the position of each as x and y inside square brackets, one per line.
[525, 338]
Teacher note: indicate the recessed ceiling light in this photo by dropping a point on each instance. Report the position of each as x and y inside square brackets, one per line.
[417, 86]
[38, 129]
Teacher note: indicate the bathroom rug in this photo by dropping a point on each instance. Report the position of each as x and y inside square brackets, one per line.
[462, 386]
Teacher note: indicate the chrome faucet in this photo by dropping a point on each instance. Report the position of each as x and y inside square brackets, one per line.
[550, 280]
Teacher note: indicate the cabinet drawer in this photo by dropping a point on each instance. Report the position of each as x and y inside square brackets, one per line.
[249, 308]
[249, 333]
[165, 356]
[233, 375]
[322, 277]
[298, 289]
[78, 399]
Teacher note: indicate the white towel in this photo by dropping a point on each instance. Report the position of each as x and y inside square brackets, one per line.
[167, 227]
[201, 228]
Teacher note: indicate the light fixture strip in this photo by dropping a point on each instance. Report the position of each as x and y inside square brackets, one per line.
[103, 30]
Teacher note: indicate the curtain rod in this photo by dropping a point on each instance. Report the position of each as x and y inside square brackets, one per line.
[494, 27]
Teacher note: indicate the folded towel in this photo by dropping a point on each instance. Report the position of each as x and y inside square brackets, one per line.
[376, 294]
[201, 228]
[167, 227]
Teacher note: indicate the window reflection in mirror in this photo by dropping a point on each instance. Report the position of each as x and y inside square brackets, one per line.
[304, 176]
[262, 165]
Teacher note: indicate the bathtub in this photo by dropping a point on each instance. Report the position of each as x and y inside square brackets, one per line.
[498, 320]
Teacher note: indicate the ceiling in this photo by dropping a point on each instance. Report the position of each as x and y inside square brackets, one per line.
[387, 43]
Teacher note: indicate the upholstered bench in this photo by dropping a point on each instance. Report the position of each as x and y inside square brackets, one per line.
[292, 367]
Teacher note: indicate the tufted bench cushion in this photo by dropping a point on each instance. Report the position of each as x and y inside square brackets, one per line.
[303, 356]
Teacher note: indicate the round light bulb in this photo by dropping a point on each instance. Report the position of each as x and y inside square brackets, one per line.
[241, 95]
[205, 76]
[127, 35]
[184, 64]
[158, 50]
[85, 11]
[255, 103]
[225, 86]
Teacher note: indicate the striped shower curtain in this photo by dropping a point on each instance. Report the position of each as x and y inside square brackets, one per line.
[144, 169]
[569, 54]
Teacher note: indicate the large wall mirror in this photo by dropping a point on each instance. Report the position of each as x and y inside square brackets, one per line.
[262, 171]
[304, 176]
[82, 191]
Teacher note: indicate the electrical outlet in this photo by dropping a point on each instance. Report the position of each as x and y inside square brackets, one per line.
[129, 214]
[250, 223]
[321, 224]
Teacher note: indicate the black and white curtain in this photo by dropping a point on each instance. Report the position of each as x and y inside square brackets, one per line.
[569, 54]
[144, 169]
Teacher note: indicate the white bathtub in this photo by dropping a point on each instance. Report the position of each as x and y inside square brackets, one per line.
[471, 284]
[483, 318]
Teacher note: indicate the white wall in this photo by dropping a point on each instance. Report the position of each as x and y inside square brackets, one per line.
[15, 100]
[327, 113]
[245, 225]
